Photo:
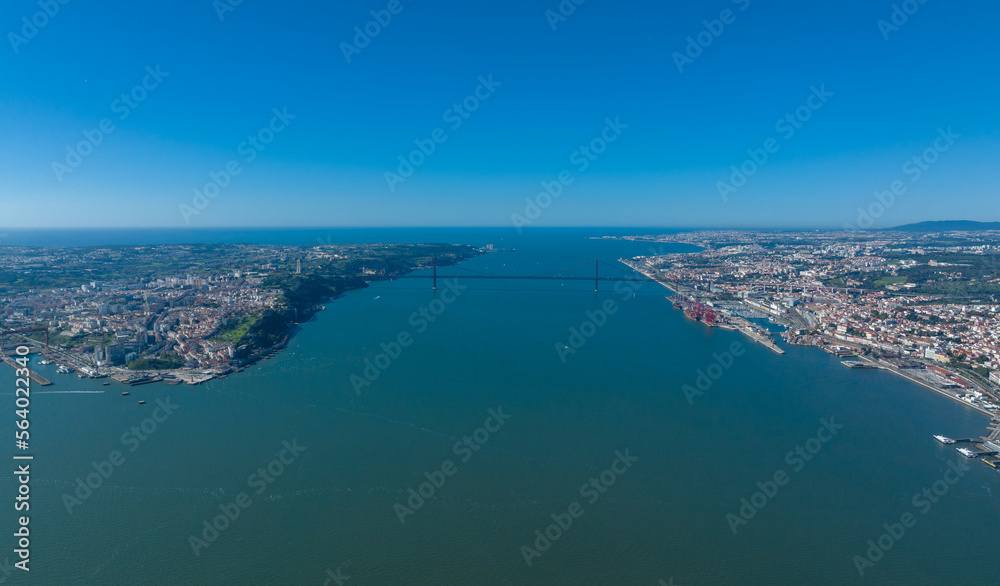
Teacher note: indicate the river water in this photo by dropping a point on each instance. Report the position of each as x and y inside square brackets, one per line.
[625, 477]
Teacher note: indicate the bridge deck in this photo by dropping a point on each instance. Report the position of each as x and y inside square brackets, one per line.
[539, 277]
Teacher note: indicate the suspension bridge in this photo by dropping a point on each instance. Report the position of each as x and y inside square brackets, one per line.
[560, 275]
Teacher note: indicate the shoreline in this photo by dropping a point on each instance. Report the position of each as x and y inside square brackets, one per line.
[741, 325]
[197, 376]
[944, 392]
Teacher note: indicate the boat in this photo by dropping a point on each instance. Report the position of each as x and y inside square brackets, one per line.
[106, 384]
[45, 362]
[967, 452]
[944, 440]
[125, 394]
[141, 403]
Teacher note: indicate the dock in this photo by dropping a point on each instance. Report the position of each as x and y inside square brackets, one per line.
[971, 454]
[731, 323]
[136, 379]
[31, 373]
[857, 364]
[766, 341]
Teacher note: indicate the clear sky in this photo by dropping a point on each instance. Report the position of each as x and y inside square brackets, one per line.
[360, 103]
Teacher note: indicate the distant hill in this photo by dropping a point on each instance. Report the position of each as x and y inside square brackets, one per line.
[941, 226]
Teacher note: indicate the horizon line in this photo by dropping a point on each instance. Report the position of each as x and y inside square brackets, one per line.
[398, 227]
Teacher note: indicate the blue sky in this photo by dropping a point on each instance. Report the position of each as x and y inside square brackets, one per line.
[222, 79]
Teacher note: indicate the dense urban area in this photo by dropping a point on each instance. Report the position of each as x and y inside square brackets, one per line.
[182, 313]
[924, 305]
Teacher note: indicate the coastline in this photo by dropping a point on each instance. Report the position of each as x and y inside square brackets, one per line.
[291, 319]
[944, 392]
[741, 325]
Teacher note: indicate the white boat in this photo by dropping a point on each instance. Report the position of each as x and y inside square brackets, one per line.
[966, 452]
[44, 362]
[944, 440]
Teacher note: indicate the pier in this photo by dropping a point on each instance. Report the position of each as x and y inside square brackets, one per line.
[971, 454]
[760, 339]
[31, 373]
